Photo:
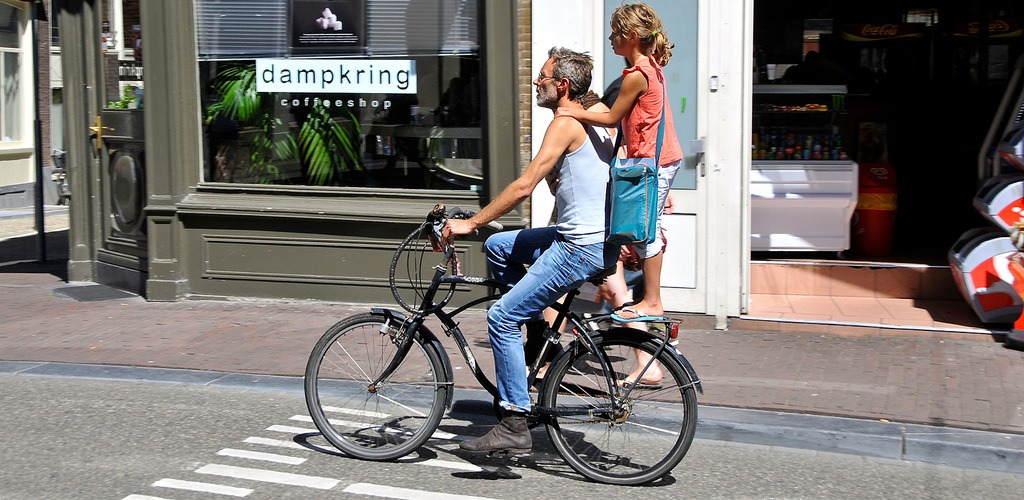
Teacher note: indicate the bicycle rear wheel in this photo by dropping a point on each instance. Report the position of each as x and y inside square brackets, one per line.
[374, 422]
[641, 442]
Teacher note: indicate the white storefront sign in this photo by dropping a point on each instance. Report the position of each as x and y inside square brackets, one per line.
[338, 76]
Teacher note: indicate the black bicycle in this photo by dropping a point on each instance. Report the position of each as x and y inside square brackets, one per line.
[377, 384]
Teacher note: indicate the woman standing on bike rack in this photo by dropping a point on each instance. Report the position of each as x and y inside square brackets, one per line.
[637, 34]
[560, 257]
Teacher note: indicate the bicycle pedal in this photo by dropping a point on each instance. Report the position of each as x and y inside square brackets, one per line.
[507, 453]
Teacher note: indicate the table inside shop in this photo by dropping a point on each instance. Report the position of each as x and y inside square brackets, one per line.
[444, 156]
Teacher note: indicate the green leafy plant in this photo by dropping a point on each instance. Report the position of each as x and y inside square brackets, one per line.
[127, 98]
[327, 146]
[238, 101]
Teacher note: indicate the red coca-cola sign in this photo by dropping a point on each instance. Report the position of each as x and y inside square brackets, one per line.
[874, 32]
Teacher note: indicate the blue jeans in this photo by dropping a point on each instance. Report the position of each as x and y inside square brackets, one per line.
[555, 267]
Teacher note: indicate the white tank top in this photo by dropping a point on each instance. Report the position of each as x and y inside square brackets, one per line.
[582, 194]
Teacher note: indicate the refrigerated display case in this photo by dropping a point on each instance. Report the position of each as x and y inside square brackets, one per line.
[803, 185]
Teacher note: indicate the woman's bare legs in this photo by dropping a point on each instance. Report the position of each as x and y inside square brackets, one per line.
[653, 375]
[615, 291]
[651, 303]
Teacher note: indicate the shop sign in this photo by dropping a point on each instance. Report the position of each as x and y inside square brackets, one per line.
[129, 71]
[877, 32]
[336, 76]
[996, 29]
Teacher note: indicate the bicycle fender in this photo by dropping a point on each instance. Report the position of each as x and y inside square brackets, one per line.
[429, 338]
[689, 369]
[671, 349]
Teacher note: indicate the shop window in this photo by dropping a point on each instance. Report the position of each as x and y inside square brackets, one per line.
[10, 62]
[54, 26]
[363, 93]
[57, 119]
[927, 17]
[813, 31]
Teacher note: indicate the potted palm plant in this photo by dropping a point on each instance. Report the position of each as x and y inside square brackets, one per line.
[327, 146]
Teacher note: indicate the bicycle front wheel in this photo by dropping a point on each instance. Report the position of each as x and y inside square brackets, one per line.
[374, 421]
[638, 439]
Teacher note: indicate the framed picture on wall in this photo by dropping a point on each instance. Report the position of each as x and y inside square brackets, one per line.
[327, 26]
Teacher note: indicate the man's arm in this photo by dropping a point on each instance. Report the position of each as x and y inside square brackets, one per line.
[560, 136]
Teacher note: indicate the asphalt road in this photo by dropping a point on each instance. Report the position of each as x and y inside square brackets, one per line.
[81, 438]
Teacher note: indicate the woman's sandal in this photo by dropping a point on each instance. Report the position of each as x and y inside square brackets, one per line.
[640, 317]
[651, 384]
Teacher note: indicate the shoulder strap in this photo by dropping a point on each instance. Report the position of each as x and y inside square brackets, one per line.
[661, 127]
[618, 143]
[661, 122]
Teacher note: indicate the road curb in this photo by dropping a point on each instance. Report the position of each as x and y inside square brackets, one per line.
[963, 448]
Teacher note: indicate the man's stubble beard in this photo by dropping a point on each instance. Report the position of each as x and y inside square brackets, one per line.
[547, 98]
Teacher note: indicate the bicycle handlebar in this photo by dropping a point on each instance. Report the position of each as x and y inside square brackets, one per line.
[438, 217]
[458, 213]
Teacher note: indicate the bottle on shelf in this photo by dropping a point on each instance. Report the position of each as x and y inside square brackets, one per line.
[778, 143]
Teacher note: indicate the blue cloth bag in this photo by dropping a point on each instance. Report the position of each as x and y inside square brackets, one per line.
[633, 188]
[634, 194]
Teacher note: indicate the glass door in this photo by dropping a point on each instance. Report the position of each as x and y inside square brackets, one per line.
[682, 276]
[119, 131]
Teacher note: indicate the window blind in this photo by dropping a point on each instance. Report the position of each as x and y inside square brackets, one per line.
[229, 29]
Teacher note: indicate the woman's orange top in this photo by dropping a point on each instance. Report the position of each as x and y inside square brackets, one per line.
[640, 126]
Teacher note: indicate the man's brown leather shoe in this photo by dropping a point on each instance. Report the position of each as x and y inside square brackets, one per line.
[511, 434]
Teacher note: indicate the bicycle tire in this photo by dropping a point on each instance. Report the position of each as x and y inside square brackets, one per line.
[399, 414]
[412, 269]
[636, 447]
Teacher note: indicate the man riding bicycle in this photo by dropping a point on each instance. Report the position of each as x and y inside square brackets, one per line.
[543, 263]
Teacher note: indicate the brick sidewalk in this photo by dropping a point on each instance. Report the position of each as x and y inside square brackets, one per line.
[22, 222]
[957, 380]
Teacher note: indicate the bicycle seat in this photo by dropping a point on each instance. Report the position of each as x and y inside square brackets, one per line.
[599, 278]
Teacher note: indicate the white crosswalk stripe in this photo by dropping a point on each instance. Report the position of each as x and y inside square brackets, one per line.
[275, 442]
[349, 423]
[361, 413]
[292, 430]
[445, 464]
[258, 455]
[268, 476]
[291, 479]
[218, 489]
[378, 490]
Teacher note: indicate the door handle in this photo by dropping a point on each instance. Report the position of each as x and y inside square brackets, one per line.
[98, 130]
[697, 147]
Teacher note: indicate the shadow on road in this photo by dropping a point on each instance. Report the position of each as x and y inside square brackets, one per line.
[20, 255]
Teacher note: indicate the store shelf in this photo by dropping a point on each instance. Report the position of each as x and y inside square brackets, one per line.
[799, 203]
[799, 89]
